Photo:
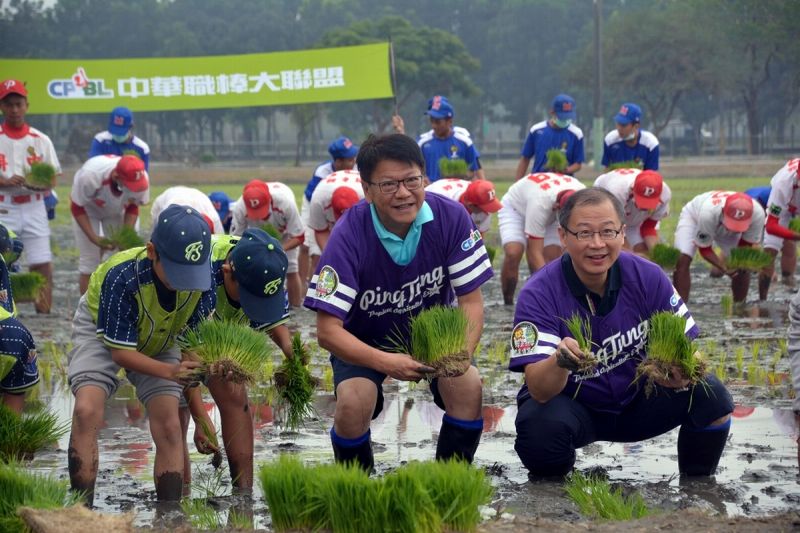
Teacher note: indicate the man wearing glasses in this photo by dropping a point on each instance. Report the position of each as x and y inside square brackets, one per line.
[388, 258]
[560, 409]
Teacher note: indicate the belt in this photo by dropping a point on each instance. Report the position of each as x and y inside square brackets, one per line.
[20, 199]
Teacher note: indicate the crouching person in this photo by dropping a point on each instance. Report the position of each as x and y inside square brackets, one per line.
[138, 301]
[561, 409]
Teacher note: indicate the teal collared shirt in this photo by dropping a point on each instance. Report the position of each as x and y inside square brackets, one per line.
[402, 251]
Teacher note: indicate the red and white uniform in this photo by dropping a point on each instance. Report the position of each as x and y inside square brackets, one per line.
[529, 208]
[320, 210]
[283, 215]
[453, 188]
[21, 209]
[181, 195]
[639, 222]
[782, 204]
[700, 224]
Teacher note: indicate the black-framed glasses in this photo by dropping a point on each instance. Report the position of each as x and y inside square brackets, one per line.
[411, 183]
[607, 234]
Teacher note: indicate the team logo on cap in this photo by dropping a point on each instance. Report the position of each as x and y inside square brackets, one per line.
[9, 84]
[194, 251]
[327, 282]
[623, 110]
[272, 287]
[437, 102]
[566, 106]
[648, 192]
[738, 214]
[254, 202]
[524, 337]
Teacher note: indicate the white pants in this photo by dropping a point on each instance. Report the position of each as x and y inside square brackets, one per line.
[29, 222]
[684, 238]
[512, 228]
[310, 236]
[91, 255]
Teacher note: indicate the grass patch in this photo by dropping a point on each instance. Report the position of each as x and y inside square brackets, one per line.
[453, 168]
[556, 160]
[123, 238]
[664, 255]
[22, 436]
[226, 347]
[751, 259]
[26, 286]
[22, 488]
[625, 164]
[41, 175]
[596, 499]
[295, 385]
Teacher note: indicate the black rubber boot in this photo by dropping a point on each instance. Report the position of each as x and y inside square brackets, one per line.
[699, 451]
[361, 452]
[457, 441]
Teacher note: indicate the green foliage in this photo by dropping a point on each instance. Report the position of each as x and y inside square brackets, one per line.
[285, 484]
[271, 230]
[751, 259]
[556, 160]
[453, 168]
[794, 224]
[123, 238]
[22, 436]
[407, 502]
[26, 286]
[596, 499]
[295, 385]
[625, 164]
[726, 303]
[41, 175]
[437, 332]
[20, 487]
[664, 255]
[229, 346]
[342, 498]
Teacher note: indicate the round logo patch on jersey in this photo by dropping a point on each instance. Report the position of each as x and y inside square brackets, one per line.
[327, 282]
[524, 337]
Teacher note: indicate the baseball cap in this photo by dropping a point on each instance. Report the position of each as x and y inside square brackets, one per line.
[342, 148]
[13, 87]
[183, 242]
[221, 203]
[259, 265]
[647, 189]
[120, 121]
[439, 107]
[342, 199]
[482, 194]
[563, 196]
[628, 113]
[131, 172]
[564, 106]
[256, 199]
[738, 212]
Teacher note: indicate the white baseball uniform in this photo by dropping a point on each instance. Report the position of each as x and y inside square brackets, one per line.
[180, 195]
[453, 188]
[321, 172]
[784, 200]
[320, 215]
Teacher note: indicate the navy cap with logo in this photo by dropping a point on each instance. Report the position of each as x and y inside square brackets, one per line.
[183, 241]
[259, 265]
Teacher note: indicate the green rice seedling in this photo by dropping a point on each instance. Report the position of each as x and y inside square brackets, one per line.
[664, 255]
[625, 164]
[41, 175]
[596, 499]
[497, 353]
[439, 340]
[201, 515]
[581, 330]
[285, 484]
[405, 500]
[22, 436]
[670, 353]
[211, 435]
[740, 361]
[123, 238]
[19, 488]
[726, 303]
[26, 286]
[783, 347]
[751, 259]
[295, 385]
[327, 379]
[457, 490]
[342, 498]
[271, 230]
[556, 160]
[209, 483]
[7, 362]
[491, 251]
[453, 168]
[227, 348]
[794, 224]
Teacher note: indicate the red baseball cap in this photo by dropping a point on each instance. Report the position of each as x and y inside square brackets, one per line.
[342, 199]
[563, 196]
[131, 172]
[647, 189]
[12, 87]
[257, 199]
[482, 194]
[738, 212]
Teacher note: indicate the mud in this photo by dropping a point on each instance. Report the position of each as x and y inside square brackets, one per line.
[757, 477]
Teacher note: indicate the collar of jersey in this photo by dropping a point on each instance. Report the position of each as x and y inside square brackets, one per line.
[605, 303]
[402, 251]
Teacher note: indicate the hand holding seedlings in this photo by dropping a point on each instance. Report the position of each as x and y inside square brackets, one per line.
[566, 359]
[185, 372]
[202, 442]
[674, 379]
[403, 367]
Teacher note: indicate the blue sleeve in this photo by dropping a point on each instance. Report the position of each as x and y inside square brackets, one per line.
[578, 153]
[471, 155]
[605, 155]
[529, 148]
[96, 148]
[651, 163]
[117, 313]
[205, 306]
[146, 159]
[312, 184]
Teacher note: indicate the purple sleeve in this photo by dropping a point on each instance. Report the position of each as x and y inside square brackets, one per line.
[537, 328]
[467, 261]
[529, 148]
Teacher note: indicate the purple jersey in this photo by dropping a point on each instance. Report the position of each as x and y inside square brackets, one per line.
[543, 136]
[619, 338]
[358, 282]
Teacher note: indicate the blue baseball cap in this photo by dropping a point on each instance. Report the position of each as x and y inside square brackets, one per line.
[120, 121]
[183, 241]
[439, 107]
[564, 107]
[342, 148]
[259, 265]
[222, 203]
[628, 113]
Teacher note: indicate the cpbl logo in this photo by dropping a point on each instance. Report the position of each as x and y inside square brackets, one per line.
[79, 86]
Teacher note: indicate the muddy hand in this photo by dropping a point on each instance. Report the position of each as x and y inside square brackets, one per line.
[186, 373]
[403, 367]
[675, 380]
[566, 359]
[203, 443]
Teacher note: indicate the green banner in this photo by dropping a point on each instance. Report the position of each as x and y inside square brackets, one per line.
[165, 84]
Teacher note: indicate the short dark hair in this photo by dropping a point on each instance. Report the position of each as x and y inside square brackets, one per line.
[589, 196]
[394, 146]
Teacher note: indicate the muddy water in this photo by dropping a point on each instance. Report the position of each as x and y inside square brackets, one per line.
[758, 473]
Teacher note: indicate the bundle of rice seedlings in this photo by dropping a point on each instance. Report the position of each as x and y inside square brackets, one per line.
[231, 347]
[342, 498]
[22, 488]
[26, 286]
[453, 168]
[726, 303]
[211, 435]
[457, 490]
[7, 362]
[664, 255]
[752, 259]
[41, 175]
[22, 436]
[625, 164]
[581, 330]
[596, 499]
[123, 238]
[670, 353]
[491, 251]
[794, 224]
[285, 484]
[439, 340]
[271, 230]
[295, 385]
[406, 501]
[556, 160]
